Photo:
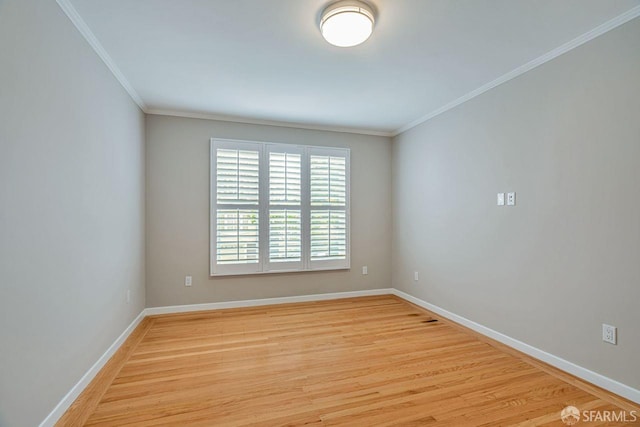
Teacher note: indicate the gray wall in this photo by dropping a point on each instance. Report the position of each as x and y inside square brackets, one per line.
[71, 209]
[566, 137]
[178, 214]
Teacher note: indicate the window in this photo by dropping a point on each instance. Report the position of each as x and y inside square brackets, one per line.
[278, 207]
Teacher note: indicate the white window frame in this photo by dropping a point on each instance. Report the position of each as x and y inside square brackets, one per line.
[264, 266]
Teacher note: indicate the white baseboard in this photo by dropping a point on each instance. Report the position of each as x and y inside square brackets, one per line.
[73, 394]
[580, 372]
[265, 301]
[562, 364]
[75, 391]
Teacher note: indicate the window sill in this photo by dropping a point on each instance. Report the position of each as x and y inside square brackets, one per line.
[257, 273]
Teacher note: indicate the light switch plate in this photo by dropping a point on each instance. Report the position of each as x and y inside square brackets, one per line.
[500, 199]
[511, 199]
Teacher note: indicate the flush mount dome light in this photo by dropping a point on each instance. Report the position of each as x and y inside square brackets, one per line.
[347, 23]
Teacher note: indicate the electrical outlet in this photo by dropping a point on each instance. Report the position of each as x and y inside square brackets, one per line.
[415, 276]
[365, 270]
[609, 334]
[511, 199]
[187, 281]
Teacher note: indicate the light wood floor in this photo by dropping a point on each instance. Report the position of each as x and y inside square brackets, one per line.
[371, 361]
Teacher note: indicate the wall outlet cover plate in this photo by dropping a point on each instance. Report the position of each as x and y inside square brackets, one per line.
[609, 334]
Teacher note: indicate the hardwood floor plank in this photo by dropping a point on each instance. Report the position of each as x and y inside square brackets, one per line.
[360, 361]
[85, 404]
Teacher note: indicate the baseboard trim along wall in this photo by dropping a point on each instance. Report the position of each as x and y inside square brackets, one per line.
[564, 365]
[73, 394]
[583, 373]
[75, 391]
[266, 301]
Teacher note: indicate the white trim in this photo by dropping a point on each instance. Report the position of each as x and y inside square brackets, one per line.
[562, 364]
[75, 391]
[283, 271]
[580, 40]
[265, 301]
[84, 29]
[86, 32]
[249, 121]
[93, 41]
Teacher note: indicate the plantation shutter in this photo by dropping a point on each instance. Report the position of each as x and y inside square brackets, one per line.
[237, 207]
[329, 216]
[278, 208]
[285, 207]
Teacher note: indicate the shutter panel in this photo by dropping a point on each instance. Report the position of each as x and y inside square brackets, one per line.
[238, 183]
[285, 235]
[328, 214]
[237, 236]
[328, 235]
[285, 198]
[237, 179]
[284, 178]
[328, 181]
[236, 211]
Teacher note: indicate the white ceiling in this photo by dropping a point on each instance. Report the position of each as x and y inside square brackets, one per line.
[266, 60]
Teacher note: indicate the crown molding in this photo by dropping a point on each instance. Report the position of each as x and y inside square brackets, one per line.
[578, 41]
[83, 28]
[86, 32]
[244, 120]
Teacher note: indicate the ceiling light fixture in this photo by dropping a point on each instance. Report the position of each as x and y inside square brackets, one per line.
[347, 23]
